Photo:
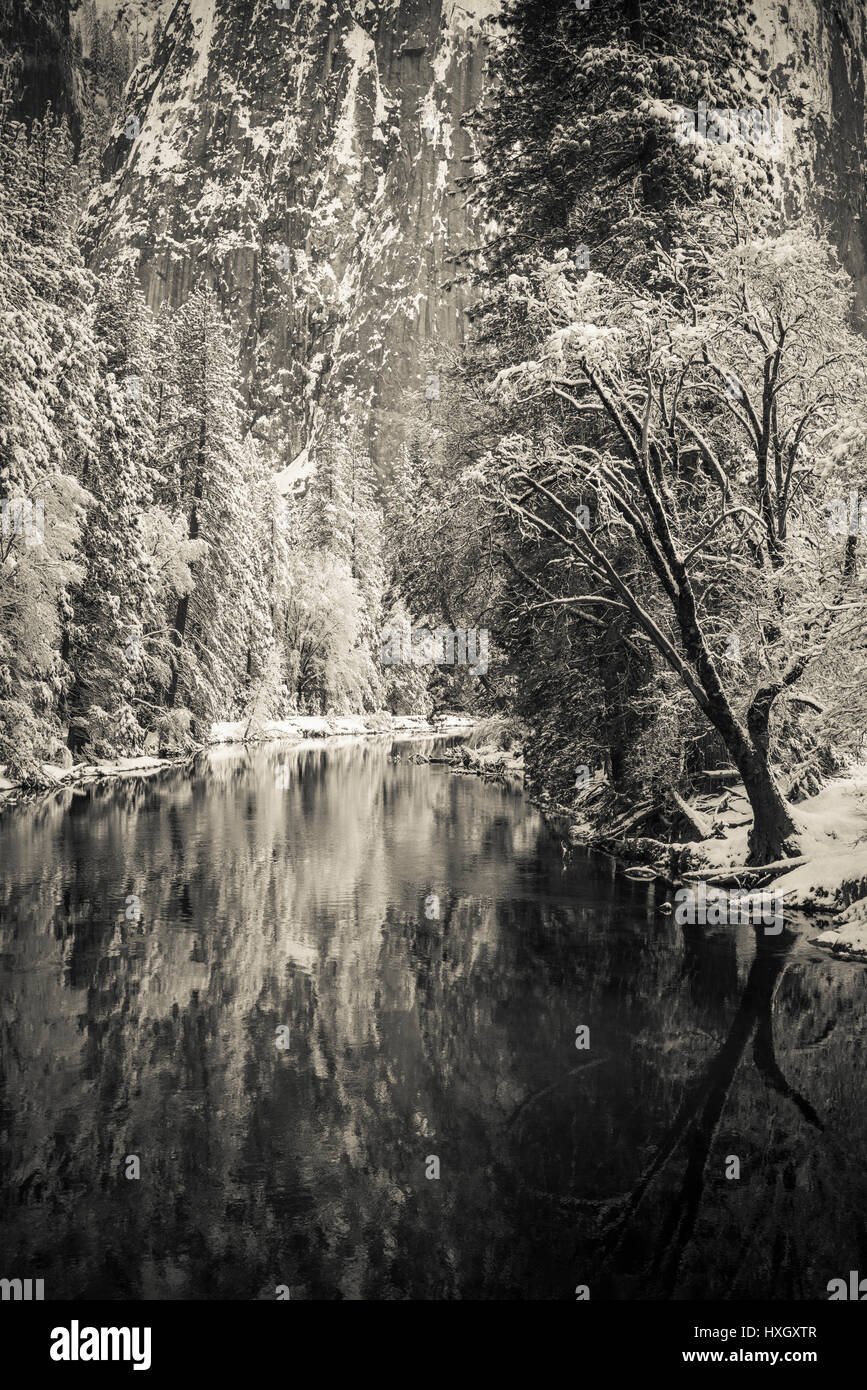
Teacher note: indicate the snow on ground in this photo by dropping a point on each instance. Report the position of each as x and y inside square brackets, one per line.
[850, 934]
[57, 776]
[323, 726]
[299, 728]
[833, 841]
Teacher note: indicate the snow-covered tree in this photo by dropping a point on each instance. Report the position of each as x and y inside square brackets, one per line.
[48, 377]
[105, 646]
[692, 422]
[221, 627]
[329, 666]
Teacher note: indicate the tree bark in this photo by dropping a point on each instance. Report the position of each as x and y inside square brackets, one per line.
[183, 608]
[773, 831]
[773, 834]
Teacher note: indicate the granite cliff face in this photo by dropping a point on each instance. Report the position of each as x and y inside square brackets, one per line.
[302, 159]
[814, 56]
[38, 34]
[302, 156]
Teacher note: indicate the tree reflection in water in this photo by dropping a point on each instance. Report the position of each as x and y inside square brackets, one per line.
[286, 887]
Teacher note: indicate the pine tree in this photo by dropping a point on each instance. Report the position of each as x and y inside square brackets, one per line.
[581, 171]
[576, 129]
[48, 375]
[219, 627]
[105, 638]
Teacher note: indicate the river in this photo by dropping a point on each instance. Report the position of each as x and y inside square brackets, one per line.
[305, 1019]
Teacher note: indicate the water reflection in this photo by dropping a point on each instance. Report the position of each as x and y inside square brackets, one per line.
[155, 936]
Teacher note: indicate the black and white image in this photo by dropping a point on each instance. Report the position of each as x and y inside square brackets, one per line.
[433, 652]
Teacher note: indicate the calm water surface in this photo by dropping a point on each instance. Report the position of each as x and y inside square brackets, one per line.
[155, 936]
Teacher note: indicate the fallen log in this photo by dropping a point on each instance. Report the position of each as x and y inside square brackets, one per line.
[744, 875]
[699, 823]
[625, 822]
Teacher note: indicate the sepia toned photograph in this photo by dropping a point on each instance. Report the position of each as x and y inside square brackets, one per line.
[433, 661]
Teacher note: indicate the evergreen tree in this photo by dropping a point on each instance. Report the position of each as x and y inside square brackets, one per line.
[106, 649]
[48, 377]
[220, 628]
[341, 519]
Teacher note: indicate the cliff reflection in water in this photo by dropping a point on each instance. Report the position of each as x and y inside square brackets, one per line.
[279, 888]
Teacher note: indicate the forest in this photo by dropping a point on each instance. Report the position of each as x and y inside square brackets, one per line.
[637, 479]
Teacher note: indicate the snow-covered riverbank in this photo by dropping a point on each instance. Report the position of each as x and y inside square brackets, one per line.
[827, 879]
[302, 726]
[298, 729]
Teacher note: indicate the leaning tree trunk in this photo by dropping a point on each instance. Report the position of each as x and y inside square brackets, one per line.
[179, 630]
[183, 609]
[773, 830]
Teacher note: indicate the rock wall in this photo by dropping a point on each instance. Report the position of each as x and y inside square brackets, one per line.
[302, 157]
[38, 34]
[303, 160]
[814, 55]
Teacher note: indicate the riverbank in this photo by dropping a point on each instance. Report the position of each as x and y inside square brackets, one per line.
[827, 880]
[492, 751]
[304, 726]
[493, 764]
[297, 729]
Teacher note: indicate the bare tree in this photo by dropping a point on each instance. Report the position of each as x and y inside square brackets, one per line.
[696, 421]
